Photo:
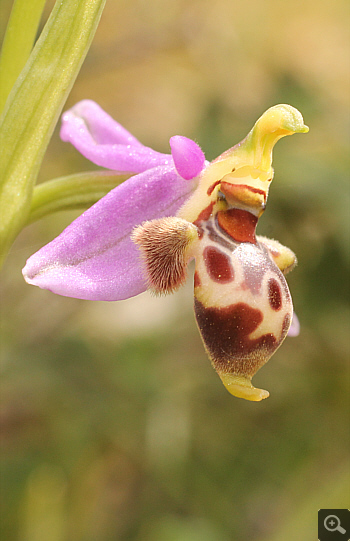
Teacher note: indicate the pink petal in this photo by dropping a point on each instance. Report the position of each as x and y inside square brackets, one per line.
[105, 142]
[188, 156]
[94, 258]
[294, 328]
[103, 128]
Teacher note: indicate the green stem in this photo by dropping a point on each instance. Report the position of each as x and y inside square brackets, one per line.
[34, 105]
[72, 192]
[18, 43]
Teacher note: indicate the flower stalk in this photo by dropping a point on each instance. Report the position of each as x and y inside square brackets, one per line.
[34, 105]
[18, 43]
[72, 192]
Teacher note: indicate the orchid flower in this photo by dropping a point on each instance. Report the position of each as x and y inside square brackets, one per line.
[178, 207]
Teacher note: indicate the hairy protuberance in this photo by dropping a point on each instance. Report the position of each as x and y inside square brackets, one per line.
[165, 247]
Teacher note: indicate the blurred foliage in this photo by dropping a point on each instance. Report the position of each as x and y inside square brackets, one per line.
[114, 427]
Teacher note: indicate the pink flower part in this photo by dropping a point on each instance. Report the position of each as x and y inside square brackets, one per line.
[94, 258]
[105, 142]
[294, 328]
[187, 155]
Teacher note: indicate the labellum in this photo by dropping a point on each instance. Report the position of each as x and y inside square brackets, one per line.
[242, 302]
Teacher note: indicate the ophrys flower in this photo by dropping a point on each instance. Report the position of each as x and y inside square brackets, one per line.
[175, 208]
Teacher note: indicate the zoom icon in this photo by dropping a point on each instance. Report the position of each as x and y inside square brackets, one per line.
[334, 525]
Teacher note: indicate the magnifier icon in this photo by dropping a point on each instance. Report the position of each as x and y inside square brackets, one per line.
[332, 524]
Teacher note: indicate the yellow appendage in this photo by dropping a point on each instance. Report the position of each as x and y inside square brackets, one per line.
[242, 387]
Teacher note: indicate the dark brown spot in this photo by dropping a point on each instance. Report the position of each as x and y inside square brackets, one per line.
[226, 331]
[226, 242]
[285, 325]
[197, 280]
[200, 231]
[211, 188]
[218, 265]
[205, 214]
[231, 189]
[239, 224]
[274, 292]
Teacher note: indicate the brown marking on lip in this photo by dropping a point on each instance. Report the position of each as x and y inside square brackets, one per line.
[274, 253]
[205, 214]
[227, 186]
[218, 239]
[243, 194]
[274, 293]
[218, 265]
[196, 281]
[211, 188]
[285, 286]
[225, 332]
[285, 326]
[200, 231]
[239, 224]
[283, 281]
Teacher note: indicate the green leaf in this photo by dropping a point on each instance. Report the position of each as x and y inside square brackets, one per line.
[72, 192]
[35, 104]
[18, 42]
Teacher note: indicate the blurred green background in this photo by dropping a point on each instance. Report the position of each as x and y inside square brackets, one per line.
[114, 426]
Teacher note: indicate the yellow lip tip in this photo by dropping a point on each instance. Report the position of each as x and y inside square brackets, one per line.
[242, 387]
